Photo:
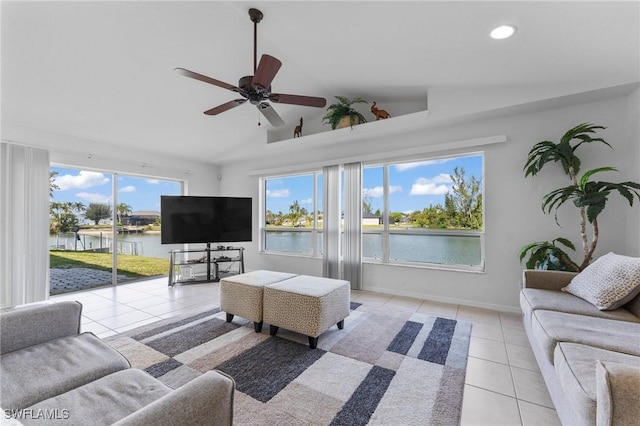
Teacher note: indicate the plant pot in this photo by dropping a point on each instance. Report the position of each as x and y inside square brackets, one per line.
[346, 121]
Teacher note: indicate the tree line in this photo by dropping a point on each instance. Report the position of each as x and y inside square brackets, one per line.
[63, 217]
[462, 209]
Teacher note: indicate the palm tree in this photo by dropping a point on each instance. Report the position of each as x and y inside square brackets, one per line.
[295, 212]
[52, 183]
[588, 196]
[62, 217]
[122, 210]
[78, 206]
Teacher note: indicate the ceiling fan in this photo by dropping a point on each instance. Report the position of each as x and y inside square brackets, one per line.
[256, 88]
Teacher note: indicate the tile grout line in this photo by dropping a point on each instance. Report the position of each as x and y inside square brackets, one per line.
[361, 296]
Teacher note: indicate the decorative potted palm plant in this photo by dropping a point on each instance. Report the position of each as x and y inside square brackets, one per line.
[342, 114]
[590, 197]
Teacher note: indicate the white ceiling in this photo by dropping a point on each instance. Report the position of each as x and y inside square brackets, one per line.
[103, 71]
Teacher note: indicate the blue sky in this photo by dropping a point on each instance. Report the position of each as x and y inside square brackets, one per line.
[413, 185]
[96, 187]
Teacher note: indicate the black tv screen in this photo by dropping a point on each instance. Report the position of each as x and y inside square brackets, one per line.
[190, 219]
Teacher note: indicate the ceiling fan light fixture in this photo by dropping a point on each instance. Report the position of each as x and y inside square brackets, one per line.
[503, 31]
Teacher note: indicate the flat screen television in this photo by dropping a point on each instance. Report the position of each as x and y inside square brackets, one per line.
[192, 219]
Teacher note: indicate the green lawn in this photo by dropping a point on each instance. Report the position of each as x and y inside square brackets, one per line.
[129, 265]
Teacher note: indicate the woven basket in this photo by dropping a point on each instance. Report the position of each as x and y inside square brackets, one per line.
[346, 121]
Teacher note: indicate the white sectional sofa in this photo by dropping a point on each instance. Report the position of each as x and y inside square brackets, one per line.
[589, 358]
[53, 374]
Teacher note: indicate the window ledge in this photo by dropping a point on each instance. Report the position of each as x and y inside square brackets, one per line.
[395, 125]
[433, 266]
[287, 254]
[480, 269]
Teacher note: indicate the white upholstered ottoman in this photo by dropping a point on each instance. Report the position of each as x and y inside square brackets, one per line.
[307, 305]
[242, 294]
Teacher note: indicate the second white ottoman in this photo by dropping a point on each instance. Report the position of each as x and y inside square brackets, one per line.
[242, 294]
[307, 305]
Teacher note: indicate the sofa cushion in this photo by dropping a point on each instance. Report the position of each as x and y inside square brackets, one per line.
[550, 300]
[575, 366]
[550, 328]
[43, 371]
[38, 323]
[104, 401]
[634, 306]
[618, 393]
[609, 282]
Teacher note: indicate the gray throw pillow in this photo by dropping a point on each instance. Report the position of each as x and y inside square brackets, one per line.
[609, 282]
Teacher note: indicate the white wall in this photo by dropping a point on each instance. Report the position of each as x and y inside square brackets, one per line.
[200, 178]
[512, 204]
[633, 167]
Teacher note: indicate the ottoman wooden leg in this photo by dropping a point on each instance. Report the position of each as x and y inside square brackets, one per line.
[341, 325]
[273, 330]
[257, 326]
[313, 342]
[229, 317]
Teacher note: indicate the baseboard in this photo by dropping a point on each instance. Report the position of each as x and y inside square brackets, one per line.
[449, 300]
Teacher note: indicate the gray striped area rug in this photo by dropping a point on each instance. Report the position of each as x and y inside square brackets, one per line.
[383, 368]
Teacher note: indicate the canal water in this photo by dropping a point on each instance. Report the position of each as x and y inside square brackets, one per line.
[439, 249]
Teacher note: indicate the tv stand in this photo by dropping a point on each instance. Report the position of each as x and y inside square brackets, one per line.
[205, 268]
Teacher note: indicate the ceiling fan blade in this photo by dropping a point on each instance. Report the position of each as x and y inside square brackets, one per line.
[266, 72]
[206, 79]
[298, 100]
[270, 114]
[224, 107]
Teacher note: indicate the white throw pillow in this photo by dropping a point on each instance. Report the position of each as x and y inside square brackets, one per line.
[609, 282]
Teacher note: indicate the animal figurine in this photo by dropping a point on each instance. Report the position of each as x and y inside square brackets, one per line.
[297, 132]
[379, 113]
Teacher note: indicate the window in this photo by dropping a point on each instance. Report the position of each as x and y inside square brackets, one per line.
[292, 220]
[425, 212]
[429, 212]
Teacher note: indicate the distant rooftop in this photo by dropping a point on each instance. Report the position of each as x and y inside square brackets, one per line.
[146, 213]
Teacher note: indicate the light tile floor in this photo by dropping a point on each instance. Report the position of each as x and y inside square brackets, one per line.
[503, 384]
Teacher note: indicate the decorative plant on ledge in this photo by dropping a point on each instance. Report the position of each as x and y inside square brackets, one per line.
[344, 108]
[590, 197]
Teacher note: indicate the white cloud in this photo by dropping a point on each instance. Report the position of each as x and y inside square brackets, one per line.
[407, 166]
[153, 181]
[84, 179]
[394, 188]
[308, 201]
[377, 192]
[129, 188]
[278, 193]
[94, 197]
[433, 186]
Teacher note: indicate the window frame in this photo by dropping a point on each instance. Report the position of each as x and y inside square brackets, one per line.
[387, 231]
[315, 231]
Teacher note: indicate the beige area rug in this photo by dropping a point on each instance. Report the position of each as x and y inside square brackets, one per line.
[383, 368]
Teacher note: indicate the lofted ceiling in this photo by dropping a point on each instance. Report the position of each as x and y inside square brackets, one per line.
[103, 71]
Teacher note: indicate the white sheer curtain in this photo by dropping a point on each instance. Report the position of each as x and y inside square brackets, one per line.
[352, 250]
[331, 222]
[24, 224]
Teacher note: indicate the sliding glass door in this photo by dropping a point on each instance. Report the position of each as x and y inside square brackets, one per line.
[105, 228]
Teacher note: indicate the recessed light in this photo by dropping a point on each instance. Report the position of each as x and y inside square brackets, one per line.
[503, 31]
